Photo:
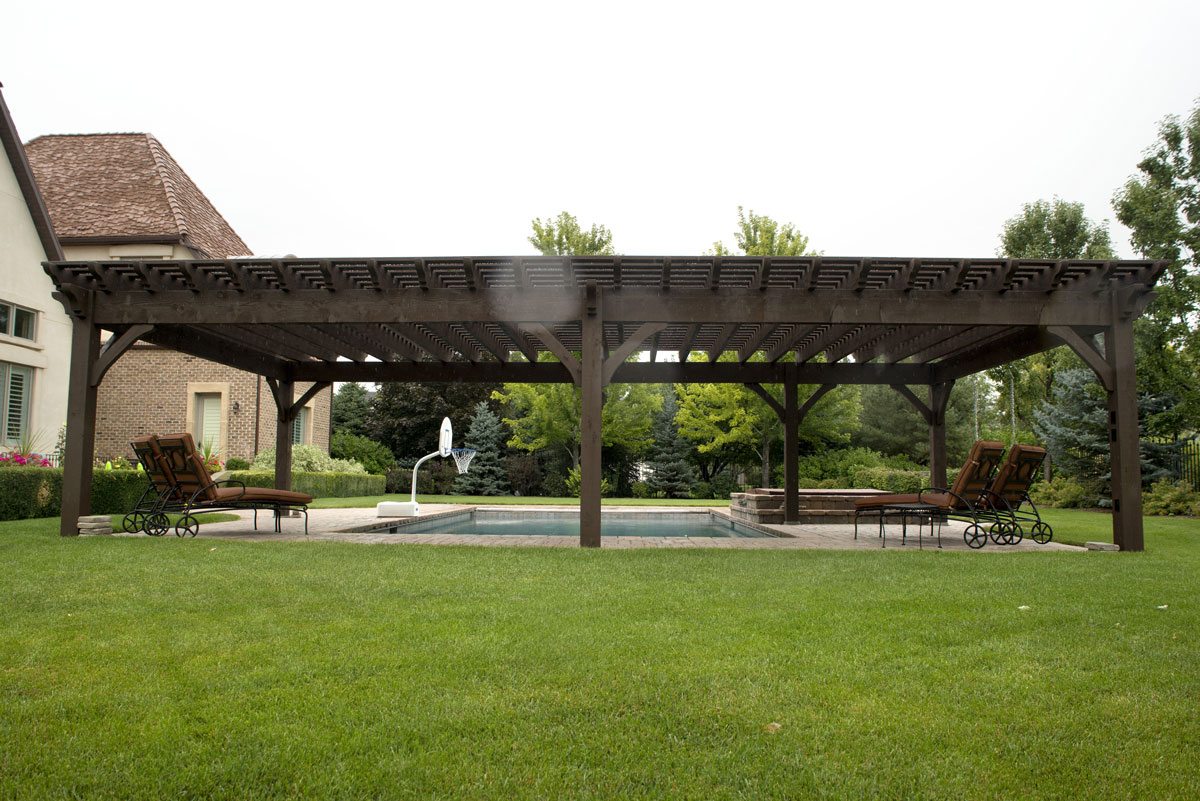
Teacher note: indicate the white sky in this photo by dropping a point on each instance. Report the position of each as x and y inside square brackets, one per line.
[372, 129]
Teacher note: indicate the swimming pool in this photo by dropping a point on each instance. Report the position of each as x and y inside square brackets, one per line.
[565, 523]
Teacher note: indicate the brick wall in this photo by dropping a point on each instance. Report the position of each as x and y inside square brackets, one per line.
[146, 392]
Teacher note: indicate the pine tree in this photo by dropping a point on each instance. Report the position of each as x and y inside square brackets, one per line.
[671, 470]
[486, 475]
[1074, 426]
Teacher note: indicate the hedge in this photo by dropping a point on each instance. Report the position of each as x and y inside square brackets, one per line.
[318, 485]
[27, 492]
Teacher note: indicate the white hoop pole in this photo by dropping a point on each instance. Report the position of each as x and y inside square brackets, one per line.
[415, 466]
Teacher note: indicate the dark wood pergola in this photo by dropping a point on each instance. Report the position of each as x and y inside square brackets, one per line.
[789, 321]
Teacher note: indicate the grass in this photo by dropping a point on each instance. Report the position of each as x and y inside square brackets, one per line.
[366, 501]
[146, 668]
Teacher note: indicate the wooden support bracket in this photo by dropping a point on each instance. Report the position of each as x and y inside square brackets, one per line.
[112, 350]
[1085, 348]
[557, 348]
[916, 402]
[618, 356]
[768, 398]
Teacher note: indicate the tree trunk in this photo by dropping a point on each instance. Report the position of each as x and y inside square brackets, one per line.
[766, 462]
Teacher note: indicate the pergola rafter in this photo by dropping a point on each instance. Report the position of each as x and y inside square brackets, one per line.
[902, 322]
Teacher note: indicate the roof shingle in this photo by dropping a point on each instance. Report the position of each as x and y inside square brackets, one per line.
[126, 186]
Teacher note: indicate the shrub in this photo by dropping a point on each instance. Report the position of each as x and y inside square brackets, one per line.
[839, 465]
[640, 489]
[27, 492]
[1063, 493]
[374, 456]
[575, 478]
[237, 463]
[436, 477]
[307, 459]
[1171, 498]
[318, 485]
[889, 479]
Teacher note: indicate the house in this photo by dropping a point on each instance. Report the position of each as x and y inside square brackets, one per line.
[35, 332]
[123, 197]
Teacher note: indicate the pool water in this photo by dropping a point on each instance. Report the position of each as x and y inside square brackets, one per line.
[566, 524]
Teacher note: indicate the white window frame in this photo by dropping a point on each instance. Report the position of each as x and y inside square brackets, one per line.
[10, 327]
[210, 388]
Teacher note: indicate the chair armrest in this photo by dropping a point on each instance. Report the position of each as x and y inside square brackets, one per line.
[951, 493]
[213, 485]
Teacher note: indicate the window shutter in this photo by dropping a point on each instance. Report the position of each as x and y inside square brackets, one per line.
[16, 417]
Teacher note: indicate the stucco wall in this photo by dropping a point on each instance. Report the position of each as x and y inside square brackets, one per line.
[25, 283]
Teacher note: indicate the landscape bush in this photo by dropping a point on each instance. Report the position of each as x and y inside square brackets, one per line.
[436, 477]
[574, 479]
[375, 457]
[238, 463]
[839, 465]
[1168, 497]
[889, 479]
[307, 459]
[27, 492]
[318, 485]
[1064, 493]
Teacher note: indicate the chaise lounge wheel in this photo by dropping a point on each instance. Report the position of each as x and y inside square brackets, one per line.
[998, 532]
[133, 523]
[975, 536]
[188, 524]
[1041, 533]
[157, 524]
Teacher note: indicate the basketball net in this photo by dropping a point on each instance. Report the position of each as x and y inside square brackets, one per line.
[462, 458]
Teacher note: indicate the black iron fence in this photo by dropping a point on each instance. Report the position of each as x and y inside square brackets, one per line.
[1186, 463]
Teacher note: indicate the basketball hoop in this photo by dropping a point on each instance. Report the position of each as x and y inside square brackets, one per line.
[462, 458]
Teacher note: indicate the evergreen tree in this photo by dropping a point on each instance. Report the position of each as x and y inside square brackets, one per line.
[406, 416]
[1074, 426]
[351, 408]
[671, 470]
[486, 475]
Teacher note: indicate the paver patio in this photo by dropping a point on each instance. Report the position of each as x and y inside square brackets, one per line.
[333, 525]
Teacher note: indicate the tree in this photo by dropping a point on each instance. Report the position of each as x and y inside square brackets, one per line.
[486, 475]
[563, 236]
[407, 417]
[759, 235]
[351, 409]
[1054, 229]
[1161, 206]
[890, 424]
[545, 416]
[671, 471]
[735, 423]
[1074, 426]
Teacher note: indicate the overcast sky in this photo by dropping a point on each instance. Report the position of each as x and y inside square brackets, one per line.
[354, 129]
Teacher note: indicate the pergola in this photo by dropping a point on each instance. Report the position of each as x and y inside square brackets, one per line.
[789, 321]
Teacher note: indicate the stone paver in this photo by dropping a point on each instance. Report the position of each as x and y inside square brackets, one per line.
[331, 525]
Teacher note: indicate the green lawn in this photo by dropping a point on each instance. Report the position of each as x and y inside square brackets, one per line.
[148, 668]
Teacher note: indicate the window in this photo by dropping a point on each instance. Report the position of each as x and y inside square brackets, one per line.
[300, 427]
[16, 384]
[18, 322]
[206, 419]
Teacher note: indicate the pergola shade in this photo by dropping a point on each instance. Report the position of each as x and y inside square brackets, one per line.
[812, 320]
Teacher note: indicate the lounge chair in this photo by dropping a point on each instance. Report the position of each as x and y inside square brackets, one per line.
[160, 495]
[958, 502]
[1009, 493]
[196, 490]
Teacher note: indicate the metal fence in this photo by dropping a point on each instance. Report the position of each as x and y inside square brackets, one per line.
[1186, 463]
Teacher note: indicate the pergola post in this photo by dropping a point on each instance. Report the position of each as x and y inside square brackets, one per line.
[1123, 436]
[81, 426]
[791, 449]
[591, 387]
[939, 396]
[284, 392]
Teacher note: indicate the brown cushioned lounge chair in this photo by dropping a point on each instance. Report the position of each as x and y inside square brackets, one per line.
[200, 493]
[159, 497]
[959, 501]
[1009, 493]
